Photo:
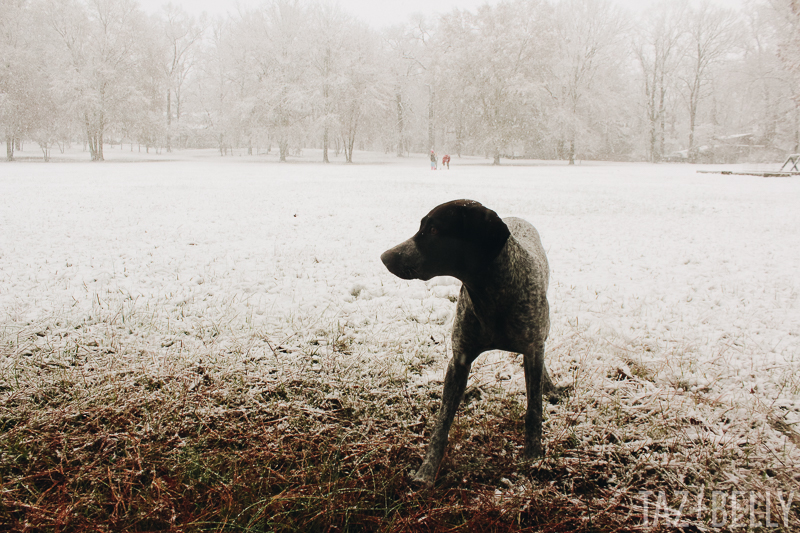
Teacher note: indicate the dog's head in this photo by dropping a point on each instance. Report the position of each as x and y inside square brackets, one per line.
[459, 239]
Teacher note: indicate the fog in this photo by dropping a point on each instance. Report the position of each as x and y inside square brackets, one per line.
[571, 80]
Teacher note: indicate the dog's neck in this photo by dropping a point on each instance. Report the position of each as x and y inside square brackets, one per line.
[503, 275]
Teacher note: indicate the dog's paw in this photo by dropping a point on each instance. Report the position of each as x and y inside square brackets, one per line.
[421, 481]
[533, 452]
[424, 477]
[558, 393]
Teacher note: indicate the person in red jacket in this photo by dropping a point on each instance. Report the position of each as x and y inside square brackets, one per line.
[446, 162]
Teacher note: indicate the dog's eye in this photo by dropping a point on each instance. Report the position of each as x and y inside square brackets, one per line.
[433, 230]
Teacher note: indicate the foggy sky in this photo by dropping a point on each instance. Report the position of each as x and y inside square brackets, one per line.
[378, 13]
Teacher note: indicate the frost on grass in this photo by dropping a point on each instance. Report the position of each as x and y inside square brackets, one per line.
[233, 318]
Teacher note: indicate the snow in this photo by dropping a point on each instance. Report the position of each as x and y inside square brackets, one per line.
[180, 260]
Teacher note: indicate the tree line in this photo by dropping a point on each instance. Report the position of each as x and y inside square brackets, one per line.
[568, 79]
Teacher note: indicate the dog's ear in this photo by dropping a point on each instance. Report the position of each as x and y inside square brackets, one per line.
[486, 229]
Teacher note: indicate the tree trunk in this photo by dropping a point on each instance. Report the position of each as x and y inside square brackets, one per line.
[572, 151]
[326, 91]
[169, 119]
[692, 118]
[89, 136]
[572, 132]
[459, 136]
[496, 161]
[348, 147]
[283, 145]
[770, 126]
[796, 128]
[653, 136]
[653, 141]
[431, 118]
[400, 124]
[661, 119]
[100, 126]
[652, 118]
[45, 150]
[9, 148]
[100, 145]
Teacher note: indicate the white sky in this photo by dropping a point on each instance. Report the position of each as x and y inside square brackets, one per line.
[377, 13]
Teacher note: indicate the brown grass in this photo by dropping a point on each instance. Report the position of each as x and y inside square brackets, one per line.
[125, 446]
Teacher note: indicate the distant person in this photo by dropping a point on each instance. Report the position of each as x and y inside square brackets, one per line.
[433, 160]
[446, 161]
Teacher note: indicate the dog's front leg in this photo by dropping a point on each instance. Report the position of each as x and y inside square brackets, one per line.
[533, 361]
[455, 382]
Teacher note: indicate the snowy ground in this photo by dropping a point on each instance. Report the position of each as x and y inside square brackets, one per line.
[248, 265]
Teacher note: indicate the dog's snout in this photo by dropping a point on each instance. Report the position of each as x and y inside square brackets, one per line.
[388, 258]
[393, 261]
[402, 260]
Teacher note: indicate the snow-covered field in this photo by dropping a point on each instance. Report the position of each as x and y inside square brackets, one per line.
[246, 265]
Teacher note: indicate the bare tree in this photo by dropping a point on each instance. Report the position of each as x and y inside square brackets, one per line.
[786, 19]
[761, 85]
[365, 86]
[711, 34]
[228, 80]
[657, 48]
[419, 57]
[589, 34]
[491, 64]
[281, 60]
[407, 70]
[517, 77]
[99, 43]
[787, 13]
[27, 108]
[330, 33]
[12, 72]
[181, 34]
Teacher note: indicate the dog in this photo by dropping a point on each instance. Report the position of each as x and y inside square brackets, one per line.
[502, 305]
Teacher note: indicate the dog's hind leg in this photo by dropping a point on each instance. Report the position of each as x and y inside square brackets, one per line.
[533, 361]
[455, 382]
[548, 387]
[553, 392]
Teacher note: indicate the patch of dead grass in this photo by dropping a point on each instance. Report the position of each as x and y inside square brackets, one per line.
[99, 439]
